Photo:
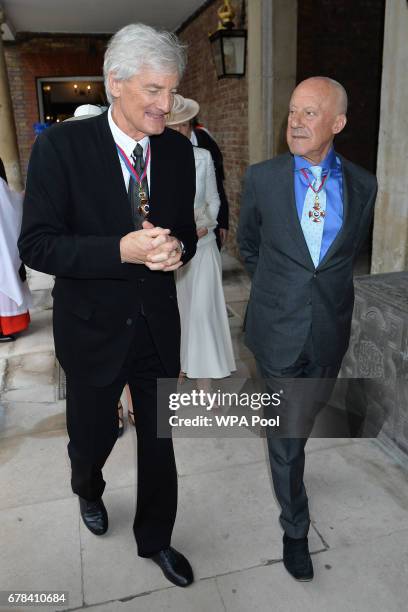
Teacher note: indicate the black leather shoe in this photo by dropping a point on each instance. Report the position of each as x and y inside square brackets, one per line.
[174, 566]
[94, 515]
[121, 425]
[7, 338]
[296, 558]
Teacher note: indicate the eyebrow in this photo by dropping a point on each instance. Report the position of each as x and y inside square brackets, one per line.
[155, 85]
[306, 108]
[159, 87]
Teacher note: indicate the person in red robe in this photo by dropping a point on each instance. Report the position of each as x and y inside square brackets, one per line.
[15, 297]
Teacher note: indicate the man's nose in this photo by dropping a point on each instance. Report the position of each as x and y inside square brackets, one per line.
[294, 120]
[166, 101]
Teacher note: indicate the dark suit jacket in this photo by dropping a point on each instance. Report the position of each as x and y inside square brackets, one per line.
[76, 210]
[288, 294]
[2, 171]
[206, 142]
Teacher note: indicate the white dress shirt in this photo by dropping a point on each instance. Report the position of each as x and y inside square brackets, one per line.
[193, 139]
[128, 145]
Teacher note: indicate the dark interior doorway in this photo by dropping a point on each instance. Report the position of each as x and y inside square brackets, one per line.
[343, 39]
[59, 97]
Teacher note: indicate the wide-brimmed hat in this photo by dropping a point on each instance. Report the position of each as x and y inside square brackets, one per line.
[183, 110]
[85, 111]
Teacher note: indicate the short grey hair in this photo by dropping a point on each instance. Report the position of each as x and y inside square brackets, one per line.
[138, 46]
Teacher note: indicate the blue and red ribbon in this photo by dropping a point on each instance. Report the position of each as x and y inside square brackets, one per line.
[131, 169]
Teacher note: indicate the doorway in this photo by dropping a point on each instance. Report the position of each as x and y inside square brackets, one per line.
[58, 97]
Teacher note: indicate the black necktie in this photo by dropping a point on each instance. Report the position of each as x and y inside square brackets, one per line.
[134, 189]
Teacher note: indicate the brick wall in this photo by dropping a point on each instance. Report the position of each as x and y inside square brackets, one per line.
[343, 39]
[223, 104]
[45, 57]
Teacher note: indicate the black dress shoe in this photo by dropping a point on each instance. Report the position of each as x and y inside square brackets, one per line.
[296, 558]
[94, 515]
[121, 425]
[7, 338]
[174, 566]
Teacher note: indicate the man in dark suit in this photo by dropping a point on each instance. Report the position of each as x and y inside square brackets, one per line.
[109, 212]
[200, 137]
[2, 171]
[205, 141]
[304, 217]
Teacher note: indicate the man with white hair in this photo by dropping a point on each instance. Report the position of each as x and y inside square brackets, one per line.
[109, 211]
[304, 217]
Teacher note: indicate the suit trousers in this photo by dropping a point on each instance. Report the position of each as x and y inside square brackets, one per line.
[287, 454]
[92, 422]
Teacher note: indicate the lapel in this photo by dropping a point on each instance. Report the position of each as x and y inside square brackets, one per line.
[159, 175]
[351, 211]
[113, 170]
[157, 183]
[163, 172]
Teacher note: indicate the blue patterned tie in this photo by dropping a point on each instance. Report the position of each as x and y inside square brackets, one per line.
[313, 230]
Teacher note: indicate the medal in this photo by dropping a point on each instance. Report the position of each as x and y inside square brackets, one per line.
[144, 202]
[316, 215]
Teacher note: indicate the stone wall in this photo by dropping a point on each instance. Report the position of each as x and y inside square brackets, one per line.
[390, 246]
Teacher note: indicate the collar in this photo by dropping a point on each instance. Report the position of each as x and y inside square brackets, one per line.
[193, 139]
[123, 140]
[330, 162]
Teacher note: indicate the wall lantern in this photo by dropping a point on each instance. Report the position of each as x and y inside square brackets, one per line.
[228, 44]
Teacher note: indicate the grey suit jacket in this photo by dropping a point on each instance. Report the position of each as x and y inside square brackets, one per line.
[289, 295]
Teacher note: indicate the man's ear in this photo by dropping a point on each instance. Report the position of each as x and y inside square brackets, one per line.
[339, 123]
[115, 85]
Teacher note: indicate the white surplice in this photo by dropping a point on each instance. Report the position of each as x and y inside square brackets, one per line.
[15, 297]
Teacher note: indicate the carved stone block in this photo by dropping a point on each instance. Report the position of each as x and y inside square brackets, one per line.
[379, 350]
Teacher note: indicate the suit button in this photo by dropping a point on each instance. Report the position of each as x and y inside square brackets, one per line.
[314, 275]
[129, 321]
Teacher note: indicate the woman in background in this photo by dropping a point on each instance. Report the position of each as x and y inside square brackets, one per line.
[206, 347]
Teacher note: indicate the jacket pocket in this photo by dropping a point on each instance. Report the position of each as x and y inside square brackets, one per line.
[82, 309]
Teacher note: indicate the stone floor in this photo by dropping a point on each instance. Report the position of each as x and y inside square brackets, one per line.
[227, 521]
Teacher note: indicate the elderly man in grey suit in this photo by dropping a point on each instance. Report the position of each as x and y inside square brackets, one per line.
[304, 217]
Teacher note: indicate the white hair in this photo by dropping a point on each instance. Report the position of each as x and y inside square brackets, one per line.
[138, 46]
